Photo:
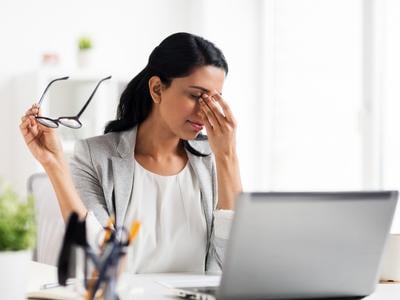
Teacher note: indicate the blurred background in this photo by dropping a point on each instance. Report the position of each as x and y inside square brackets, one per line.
[313, 83]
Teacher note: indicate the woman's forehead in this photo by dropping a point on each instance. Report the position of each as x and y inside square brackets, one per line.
[206, 79]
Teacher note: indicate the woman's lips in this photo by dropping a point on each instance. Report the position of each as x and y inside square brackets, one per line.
[196, 126]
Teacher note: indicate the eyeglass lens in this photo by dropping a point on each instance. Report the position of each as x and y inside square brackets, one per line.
[71, 123]
[47, 122]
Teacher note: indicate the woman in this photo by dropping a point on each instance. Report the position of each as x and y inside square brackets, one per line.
[152, 164]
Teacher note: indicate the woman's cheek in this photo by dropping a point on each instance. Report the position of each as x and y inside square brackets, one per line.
[189, 108]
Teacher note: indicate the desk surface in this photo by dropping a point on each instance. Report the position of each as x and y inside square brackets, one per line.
[148, 286]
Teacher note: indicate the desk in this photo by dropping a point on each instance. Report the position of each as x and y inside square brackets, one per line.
[146, 287]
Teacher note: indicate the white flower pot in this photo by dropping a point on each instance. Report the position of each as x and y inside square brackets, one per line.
[85, 58]
[14, 274]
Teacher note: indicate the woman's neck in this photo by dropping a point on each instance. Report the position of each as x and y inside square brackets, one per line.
[154, 140]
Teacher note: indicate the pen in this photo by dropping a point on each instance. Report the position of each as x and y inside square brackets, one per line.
[52, 285]
[134, 231]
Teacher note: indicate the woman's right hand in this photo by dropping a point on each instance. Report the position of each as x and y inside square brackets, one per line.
[42, 141]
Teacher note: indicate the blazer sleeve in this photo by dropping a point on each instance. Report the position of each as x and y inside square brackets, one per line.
[87, 182]
[220, 228]
[222, 220]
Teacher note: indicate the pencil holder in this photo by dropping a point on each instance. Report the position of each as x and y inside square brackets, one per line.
[101, 267]
[96, 270]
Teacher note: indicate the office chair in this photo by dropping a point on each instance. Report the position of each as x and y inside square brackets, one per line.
[50, 224]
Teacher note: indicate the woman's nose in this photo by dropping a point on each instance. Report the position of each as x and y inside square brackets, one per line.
[198, 108]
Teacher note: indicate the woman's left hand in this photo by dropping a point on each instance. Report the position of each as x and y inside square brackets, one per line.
[220, 125]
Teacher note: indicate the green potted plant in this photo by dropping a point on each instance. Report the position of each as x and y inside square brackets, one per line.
[17, 236]
[85, 51]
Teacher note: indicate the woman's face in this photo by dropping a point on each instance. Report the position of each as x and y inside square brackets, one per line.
[179, 107]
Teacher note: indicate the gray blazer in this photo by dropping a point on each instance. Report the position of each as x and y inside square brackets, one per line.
[103, 169]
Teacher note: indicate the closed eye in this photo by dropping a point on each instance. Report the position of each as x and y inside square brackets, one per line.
[195, 97]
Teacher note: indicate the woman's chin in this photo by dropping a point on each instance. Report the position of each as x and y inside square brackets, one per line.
[191, 135]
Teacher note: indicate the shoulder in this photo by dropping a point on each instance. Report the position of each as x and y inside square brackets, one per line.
[101, 146]
[106, 142]
[102, 143]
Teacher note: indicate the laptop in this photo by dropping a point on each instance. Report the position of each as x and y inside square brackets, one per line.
[303, 245]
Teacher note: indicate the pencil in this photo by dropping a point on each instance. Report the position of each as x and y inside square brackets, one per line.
[108, 232]
[134, 231]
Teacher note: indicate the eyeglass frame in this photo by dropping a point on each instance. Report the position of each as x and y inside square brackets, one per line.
[75, 118]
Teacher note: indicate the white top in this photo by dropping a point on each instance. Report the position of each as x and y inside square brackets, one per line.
[173, 233]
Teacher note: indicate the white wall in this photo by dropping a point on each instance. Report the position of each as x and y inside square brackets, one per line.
[316, 96]
[123, 31]
[390, 103]
[391, 107]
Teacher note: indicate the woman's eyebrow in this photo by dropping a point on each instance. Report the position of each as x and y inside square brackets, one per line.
[202, 88]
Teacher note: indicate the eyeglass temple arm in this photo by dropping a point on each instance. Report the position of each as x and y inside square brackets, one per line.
[47, 87]
[91, 96]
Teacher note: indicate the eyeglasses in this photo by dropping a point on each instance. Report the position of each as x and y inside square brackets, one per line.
[68, 121]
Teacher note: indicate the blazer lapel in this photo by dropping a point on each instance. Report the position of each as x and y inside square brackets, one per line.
[123, 171]
[206, 185]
